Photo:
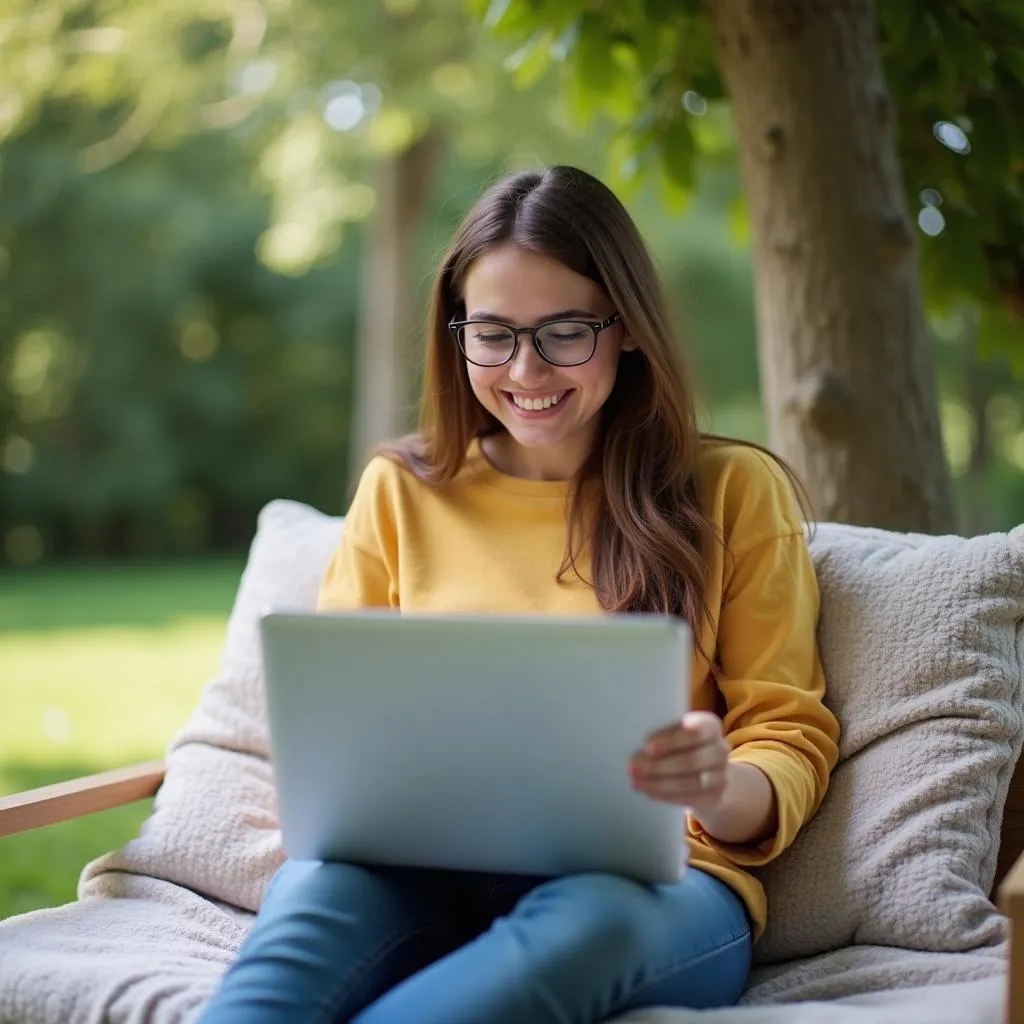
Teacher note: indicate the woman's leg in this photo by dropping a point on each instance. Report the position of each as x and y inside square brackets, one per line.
[331, 937]
[582, 949]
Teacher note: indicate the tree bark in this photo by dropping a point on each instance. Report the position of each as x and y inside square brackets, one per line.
[381, 406]
[845, 358]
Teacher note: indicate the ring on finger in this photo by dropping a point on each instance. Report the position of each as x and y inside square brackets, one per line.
[705, 779]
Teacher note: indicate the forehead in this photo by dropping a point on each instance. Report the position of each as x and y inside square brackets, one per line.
[516, 284]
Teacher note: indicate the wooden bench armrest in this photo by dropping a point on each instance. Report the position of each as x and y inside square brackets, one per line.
[64, 800]
[1011, 903]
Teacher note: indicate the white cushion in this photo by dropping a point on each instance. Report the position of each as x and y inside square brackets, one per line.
[922, 640]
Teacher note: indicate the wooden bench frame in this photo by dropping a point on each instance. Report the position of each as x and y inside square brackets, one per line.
[62, 801]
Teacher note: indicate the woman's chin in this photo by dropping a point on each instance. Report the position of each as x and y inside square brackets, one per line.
[534, 436]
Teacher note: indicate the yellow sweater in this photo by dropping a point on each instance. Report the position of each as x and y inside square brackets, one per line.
[490, 542]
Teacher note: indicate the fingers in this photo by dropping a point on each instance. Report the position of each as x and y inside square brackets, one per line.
[698, 733]
[703, 789]
[695, 729]
[710, 757]
[683, 762]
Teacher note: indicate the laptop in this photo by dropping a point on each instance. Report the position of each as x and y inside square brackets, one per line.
[482, 743]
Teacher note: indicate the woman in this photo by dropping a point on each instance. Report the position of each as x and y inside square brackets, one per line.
[559, 469]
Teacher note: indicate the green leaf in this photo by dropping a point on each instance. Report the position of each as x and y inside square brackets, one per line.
[497, 12]
[591, 57]
[991, 135]
[563, 47]
[531, 60]
[646, 39]
[674, 195]
[678, 153]
[898, 21]
[999, 337]
[513, 19]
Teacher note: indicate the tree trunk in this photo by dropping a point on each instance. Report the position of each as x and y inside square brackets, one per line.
[846, 362]
[381, 406]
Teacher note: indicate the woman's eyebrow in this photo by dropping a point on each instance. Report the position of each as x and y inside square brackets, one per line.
[561, 314]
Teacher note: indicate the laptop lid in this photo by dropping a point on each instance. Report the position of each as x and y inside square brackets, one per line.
[488, 743]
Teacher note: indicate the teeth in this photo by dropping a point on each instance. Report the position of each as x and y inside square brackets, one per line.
[536, 404]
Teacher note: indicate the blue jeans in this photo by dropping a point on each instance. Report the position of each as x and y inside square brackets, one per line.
[339, 942]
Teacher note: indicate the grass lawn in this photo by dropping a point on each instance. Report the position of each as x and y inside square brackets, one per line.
[99, 667]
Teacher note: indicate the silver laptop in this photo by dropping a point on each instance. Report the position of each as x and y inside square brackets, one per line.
[483, 743]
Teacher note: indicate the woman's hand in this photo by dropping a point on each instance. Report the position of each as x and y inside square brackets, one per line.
[685, 763]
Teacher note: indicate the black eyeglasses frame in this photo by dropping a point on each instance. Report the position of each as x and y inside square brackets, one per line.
[597, 326]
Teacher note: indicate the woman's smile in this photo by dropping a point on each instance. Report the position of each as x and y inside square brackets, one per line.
[537, 405]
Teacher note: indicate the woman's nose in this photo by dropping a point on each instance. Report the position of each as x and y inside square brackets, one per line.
[527, 365]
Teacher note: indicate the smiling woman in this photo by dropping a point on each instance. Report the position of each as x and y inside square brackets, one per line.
[559, 456]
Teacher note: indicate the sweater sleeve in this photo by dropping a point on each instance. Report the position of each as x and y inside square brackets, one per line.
[362, 572]
[772, 684]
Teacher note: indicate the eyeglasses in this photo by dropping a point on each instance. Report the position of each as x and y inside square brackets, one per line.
[558, 342]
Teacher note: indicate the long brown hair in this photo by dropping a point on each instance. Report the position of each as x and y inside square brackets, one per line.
[646, 534]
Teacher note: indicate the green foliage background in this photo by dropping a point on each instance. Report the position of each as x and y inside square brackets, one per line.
[181, 253]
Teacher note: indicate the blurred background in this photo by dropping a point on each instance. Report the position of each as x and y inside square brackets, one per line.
[205, 214]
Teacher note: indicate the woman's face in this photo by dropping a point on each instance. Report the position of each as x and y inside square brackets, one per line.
[550, 413]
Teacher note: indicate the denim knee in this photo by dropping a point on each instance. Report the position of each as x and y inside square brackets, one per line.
[324, 884]
[608, 913]
[606, 894]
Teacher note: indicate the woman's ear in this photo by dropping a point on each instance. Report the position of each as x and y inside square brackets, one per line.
[628, 344]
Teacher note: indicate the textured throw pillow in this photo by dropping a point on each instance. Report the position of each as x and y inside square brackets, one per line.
[922, 640]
